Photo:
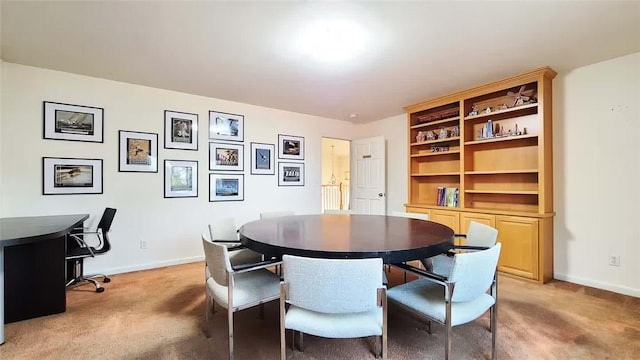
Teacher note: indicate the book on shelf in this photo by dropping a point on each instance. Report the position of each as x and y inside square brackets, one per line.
[447, 196]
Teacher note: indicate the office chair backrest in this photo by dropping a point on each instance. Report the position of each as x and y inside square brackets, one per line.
[104, 226]
[481, 235]
[333, 286]
[106, 220]
[473, 273]
[410, 215]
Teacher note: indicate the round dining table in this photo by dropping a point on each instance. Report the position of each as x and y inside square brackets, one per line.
[347, 236]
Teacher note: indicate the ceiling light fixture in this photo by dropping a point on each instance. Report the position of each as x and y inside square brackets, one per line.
[331, 41]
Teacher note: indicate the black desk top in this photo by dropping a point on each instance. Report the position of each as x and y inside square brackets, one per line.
[23, 230]
[341, 236]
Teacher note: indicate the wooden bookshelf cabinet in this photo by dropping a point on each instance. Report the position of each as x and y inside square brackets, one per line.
[500, 160]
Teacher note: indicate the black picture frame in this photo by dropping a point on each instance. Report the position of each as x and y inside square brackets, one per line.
[180, 130]
[137, 151]
[226, 187]
[290, 173]
[180, 178]
[290, 147]
[71, 176]
[226, 156]
[72, 122]
[225, 126]
[263, 159]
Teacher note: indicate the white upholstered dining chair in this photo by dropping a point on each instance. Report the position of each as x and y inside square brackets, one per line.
[456, 299]
[224, 231]
[332, 298]
[273, 214]
[478, 237]
[235, 288]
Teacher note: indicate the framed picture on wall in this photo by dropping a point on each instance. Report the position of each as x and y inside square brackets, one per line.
[73, 122]
[228, 127]
[180, 178]
[262, 159]
[290, 174]
[180, 130]
[138, 151]
[226, 187]
[290, 147]
[66, 176]
[226, 156]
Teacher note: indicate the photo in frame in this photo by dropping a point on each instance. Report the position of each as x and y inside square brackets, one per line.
[262, 159]
[228, 157]
[138, 151]
[227, 127]
[290, 174]
[226, 187]
[290, 147]
[66, 176]
[180, 178]
[73, 122]
[180, 130]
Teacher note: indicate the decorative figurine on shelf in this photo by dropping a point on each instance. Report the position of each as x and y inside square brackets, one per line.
[455, 131]
[481, 133]
[496, 130]
[421, 136]
[443, 134]
[474, 110]
[517, 132]
[489, 127]
[520, 98]
[431, 135]
[502, 107]
[487, 110]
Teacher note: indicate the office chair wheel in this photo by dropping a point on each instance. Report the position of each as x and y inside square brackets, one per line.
[100, 289]
[106, 280]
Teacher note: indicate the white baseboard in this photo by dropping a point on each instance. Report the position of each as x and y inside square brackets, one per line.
[625, 290]
[147, 266]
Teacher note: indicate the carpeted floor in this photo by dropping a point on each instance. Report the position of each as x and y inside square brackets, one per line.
[157, 314]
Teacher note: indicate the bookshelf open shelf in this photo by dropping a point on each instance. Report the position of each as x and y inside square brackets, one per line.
[493, 143]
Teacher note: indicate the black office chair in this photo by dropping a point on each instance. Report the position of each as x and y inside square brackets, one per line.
[83, 250]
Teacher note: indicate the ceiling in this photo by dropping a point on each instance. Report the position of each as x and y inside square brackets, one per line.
[246, 52]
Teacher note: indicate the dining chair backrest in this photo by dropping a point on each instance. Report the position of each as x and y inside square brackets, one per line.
[223, 229]
[473, 273]
[272, 214]
[410, 215]
[333, 286]
[481, 235]
[217, 258]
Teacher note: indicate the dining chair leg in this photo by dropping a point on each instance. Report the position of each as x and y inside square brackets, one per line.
[300, 341]
[230, 319]
[207, 309]
[493, 332]
[447, 323]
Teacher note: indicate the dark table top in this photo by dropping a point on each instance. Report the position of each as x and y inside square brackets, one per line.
[22, 230]
[342, 236]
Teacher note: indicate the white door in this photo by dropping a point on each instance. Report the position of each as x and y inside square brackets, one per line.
[368, 176]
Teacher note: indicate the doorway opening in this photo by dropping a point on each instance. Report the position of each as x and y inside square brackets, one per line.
[335, 174]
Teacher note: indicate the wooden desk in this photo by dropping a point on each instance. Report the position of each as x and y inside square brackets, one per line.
[32, 266]
[342, 236]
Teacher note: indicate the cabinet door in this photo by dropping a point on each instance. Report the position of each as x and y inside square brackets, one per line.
[466, 218]
[519, 238]
[419, 211]
[448, 218]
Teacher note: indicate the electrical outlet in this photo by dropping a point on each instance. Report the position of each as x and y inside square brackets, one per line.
[614, 260]
[143, 244]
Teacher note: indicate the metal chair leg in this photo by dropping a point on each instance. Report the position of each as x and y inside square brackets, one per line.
[230, 320]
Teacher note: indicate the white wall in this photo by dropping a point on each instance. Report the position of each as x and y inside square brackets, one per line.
[596, 173]
[171, 227]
